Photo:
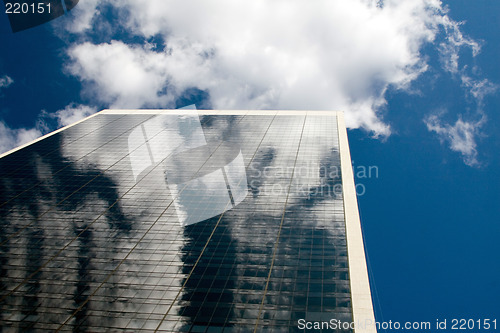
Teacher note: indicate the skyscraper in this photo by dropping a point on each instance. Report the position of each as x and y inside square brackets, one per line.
[184, 221]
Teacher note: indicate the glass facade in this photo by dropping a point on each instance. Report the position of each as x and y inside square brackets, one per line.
[175, 222]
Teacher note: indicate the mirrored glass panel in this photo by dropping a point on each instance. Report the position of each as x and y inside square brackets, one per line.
[177, 223]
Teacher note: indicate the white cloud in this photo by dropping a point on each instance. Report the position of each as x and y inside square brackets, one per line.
[479, 89]
[454, 42]
[281, 54]
[82, 16]
[460, 136]
[11, 138]
[123, 76]
[72, 113]
[265, 54]
[5, 81]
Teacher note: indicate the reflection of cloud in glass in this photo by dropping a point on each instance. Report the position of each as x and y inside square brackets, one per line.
[204, 180]
[201, 198]
[206, 184]
[309, 277]
[126, 261]
[237, 180]
[48, 215]
[157, 138]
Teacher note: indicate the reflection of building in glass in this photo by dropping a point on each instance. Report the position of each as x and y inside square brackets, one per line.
[214, 221]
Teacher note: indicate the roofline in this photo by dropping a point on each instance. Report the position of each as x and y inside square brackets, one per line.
[46, 135]
[177, 111]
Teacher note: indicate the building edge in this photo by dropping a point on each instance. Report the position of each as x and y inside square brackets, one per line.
[362, 307]
[13, 150]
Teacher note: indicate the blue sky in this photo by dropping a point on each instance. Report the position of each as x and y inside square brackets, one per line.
[419, 82]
